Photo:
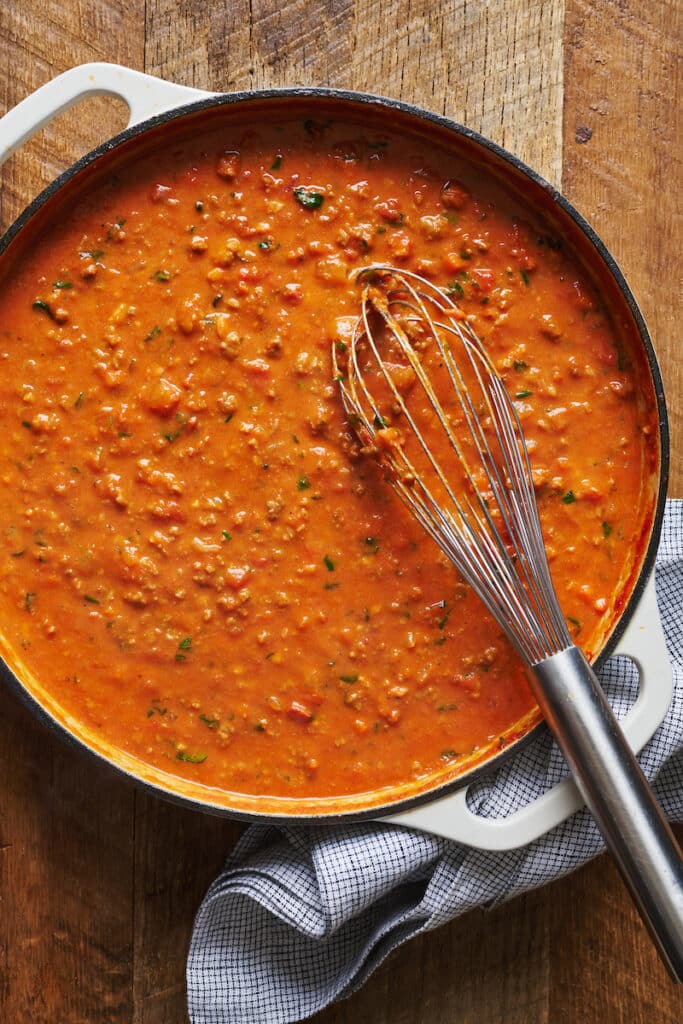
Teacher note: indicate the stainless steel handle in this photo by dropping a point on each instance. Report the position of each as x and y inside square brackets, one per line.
[617, 794]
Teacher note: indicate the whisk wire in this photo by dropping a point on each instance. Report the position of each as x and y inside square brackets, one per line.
[505, 564]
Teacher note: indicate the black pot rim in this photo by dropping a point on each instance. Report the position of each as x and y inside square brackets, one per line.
[425, 117]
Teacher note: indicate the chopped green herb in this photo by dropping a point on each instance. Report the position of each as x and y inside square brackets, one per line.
[18, 554]
[447, 707]
[448, 755]
[89, 599]
[264, 243]
[381, 231]
[340, 346]
[227, 535]
[212, 723]
[309, 200]
[173, 437]
[520, 365]
[124, 433]
[161, 275]
[331, 586]
[523, 394]
[260, 727]
[27, 424]
[156, 330]
[525, 276]
[43, 307]
[228, 417]
[349, 679]
[379, 423]
[440, 641]
[156, 710]
[606, 529]
[62, 284]
[457, 288]
[216, 300]
[182, 755]
[442, 621]
[576, 624]
[184, 645]
[79, 401]
[28, 602]
[91, 254]
[465, 254]
[329, 563]
[303, 483]
[569, 498]
[277, 163]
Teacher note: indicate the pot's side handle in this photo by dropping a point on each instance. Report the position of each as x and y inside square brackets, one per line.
[643, 642]
[144, 95]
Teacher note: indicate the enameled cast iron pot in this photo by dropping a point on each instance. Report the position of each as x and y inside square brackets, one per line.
[157, 110]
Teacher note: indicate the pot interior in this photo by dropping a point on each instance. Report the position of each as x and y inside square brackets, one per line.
[443, 172]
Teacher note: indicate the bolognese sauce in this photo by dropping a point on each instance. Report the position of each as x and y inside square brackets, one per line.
[193, 559]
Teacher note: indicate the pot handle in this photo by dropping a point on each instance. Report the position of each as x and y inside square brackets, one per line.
[144, 95]
[643, 642]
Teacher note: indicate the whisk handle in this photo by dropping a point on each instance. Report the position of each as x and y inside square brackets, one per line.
[617, 794]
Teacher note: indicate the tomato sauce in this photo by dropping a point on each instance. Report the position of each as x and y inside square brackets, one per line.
[194, 563]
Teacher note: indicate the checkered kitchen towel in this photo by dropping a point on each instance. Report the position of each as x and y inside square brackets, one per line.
[302, 916]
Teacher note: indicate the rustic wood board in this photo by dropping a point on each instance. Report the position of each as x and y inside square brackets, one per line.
[99, 882]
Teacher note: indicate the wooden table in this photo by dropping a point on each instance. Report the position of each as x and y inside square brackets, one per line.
[99, 882]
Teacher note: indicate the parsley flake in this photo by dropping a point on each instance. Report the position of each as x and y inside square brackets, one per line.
[182, 755]
[308, 199]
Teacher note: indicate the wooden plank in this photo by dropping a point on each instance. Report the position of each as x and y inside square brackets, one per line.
[67, 825]
[66, 876]
[190, 45]
[496, 67]
[623, 153]
[178, 853]
[603, 966]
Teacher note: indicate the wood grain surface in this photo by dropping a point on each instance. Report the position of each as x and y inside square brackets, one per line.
[99, 883]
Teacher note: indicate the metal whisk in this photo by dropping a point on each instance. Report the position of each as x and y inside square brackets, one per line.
[415, 376]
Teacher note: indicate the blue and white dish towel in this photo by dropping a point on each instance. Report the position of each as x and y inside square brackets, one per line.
[302, 915]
